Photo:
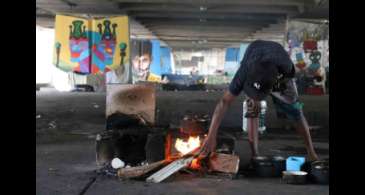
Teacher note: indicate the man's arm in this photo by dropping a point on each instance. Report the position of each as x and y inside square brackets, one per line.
[210, 141]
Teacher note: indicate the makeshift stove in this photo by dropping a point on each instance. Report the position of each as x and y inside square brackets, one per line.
[145, 149]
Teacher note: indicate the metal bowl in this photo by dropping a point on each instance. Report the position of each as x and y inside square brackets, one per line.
[295, 177]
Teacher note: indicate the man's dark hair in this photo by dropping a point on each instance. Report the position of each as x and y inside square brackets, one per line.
[141, 47]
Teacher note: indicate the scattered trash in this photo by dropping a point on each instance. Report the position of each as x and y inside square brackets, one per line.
[108, 170]
[117, 163]
[52, 169]
[95, 105]
[98, 137]
[38, 116]
[52, 125]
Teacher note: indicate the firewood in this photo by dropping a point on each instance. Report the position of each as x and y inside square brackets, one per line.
[133, 172]
[170, 169]
[225, 163]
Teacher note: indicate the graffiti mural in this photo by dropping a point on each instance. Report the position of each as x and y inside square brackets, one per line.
[79, 47]
[91, 46]
[149, 60]
[307, 44]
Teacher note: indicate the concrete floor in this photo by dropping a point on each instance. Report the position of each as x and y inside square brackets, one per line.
[65, 155]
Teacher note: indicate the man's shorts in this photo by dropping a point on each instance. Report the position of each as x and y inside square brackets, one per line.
[286, 102]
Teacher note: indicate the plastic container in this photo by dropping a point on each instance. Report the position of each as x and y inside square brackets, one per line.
[262, 126]
[244, 119]
[294, 163]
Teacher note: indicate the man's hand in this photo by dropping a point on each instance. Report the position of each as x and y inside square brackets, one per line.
[209, 143]
[207, 147]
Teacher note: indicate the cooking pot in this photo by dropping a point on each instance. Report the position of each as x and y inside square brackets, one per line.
[263, 166]
[194, 125]
[320, 172]
[279, 165]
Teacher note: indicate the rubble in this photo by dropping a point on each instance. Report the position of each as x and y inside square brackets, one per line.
[52, 124]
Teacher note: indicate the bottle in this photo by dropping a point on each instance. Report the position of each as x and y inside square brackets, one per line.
[263, 109]
[244, 119]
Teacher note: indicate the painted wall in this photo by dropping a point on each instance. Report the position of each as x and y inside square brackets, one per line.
[307, 44]
[149, 60]
[91, 46]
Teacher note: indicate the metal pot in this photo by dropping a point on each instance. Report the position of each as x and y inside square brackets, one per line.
[295, 177]
[263, 166]
[279, 165]
[320, 172]
[194, 125]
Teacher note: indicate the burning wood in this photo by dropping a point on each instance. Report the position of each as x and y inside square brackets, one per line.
[185, 147]
[133, 172]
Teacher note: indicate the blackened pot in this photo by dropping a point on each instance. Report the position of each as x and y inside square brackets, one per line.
[279, 165]
[263, 166]
[320, 172]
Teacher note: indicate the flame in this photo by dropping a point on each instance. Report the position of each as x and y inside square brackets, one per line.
[195, 164]
[185, 147]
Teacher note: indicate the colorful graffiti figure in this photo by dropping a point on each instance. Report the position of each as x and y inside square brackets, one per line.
[79, 47]
[300, 61]
[310, 42]
[313, 68]
[103, 48]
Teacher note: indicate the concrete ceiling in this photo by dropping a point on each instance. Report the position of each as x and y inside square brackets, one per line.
[193, 23]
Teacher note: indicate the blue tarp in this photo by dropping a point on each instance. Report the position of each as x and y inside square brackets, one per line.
[165, 60]
[233, 59]
[232, 54]
[155, 67]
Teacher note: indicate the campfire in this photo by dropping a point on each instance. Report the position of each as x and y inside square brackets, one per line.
[179, 148]
[140, 146]
[184, 147]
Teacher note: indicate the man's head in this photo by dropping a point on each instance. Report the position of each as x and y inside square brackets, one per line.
[141, 58]
[266, 62]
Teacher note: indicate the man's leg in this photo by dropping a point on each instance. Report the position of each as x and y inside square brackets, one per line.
[253, 137]
[252, 115]
[302, 129]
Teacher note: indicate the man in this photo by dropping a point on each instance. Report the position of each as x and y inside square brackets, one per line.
[141, 61]
[266, 69]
